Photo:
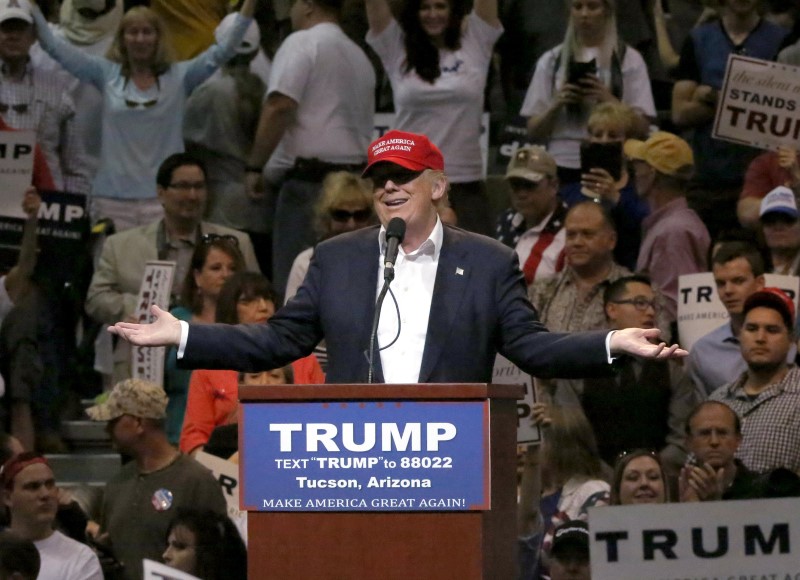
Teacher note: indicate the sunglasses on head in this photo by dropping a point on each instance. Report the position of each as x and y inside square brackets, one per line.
[342, 215]
[211, 238]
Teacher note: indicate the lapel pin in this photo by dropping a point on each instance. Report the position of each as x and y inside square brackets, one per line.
[459, 271]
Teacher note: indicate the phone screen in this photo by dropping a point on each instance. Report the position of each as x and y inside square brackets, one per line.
[606, 156]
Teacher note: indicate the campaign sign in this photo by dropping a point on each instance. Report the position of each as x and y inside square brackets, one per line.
[365, 456]
[759, 103]
[706, 540]
[507, 373]
[147, 362]
[16, 169]
[700, 310]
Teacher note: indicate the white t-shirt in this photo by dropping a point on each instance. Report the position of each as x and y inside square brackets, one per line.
[568, 132]
[65, 559]
[333, 83]
[449, 110]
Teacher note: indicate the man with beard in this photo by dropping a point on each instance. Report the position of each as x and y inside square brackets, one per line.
[766, 397]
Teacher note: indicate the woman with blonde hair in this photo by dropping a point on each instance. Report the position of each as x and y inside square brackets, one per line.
[144, 94]
[591, 66]
[344, 206]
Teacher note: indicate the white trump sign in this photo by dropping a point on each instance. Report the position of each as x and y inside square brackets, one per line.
[759, 103]
[700, 310]
[723, 540]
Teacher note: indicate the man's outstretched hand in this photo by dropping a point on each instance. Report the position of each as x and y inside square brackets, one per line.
[638, 342]
[164, 331]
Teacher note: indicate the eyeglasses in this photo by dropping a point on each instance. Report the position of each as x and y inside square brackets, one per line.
[342, 215]
[211, 238]
[396, 174]
[186, 185]
[144, 104]
[20, 108]
[639, 303]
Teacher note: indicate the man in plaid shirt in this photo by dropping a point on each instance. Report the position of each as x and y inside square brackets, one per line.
[766, 397]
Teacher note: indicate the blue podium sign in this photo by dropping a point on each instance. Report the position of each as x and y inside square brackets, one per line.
[365, 456]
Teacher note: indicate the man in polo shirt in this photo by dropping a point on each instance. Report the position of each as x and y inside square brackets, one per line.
[766, 397]
[534, 224]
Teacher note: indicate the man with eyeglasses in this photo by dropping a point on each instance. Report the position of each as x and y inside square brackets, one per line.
[35, 99]
[713, 436]
[181, 186]
[461, 299]
[646, 403]
[766, 397]
[534, 224]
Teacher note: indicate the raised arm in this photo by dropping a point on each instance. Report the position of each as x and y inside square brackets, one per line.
[379, 15]
[18, 279]
[486, 10]
[87, 68]
[203, 65]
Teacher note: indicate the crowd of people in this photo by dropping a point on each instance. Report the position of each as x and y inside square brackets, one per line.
[233, 140]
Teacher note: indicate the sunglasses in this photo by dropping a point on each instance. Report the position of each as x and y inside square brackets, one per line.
[20, 108]
[342, 215]
[397, 175]
[227, 238]
[144, 104]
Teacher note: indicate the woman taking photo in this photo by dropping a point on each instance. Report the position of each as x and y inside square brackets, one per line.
[215, 259]
[591, 66]
[144, 93]
[247, 298]
[437, 60]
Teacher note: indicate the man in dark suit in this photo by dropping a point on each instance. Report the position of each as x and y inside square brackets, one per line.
[460, 299]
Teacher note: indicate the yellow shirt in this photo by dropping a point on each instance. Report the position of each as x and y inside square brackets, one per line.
[191, 23]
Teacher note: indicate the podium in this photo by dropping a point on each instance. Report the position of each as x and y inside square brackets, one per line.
[464, 539]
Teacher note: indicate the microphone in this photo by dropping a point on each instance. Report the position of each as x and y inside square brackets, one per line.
[395, 232]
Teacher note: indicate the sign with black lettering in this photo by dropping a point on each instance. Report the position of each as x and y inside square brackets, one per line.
[147, 363]
[227, 473]
[507, 373]
[16, 170]
[722, 539]
[759, 103]
[376, 456]
[700, 310]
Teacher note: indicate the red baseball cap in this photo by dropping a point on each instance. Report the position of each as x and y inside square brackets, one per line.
[772, 298]
[409, 150]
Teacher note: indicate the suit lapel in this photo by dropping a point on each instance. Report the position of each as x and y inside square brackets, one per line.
[452, 278]
[363, 280]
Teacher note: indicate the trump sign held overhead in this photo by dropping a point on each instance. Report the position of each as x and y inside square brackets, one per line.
[759, 103]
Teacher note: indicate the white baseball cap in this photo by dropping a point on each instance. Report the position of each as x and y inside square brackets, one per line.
[250, 42]
[779, 200]
[16, 9]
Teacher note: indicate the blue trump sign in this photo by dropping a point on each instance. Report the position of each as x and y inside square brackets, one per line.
[375, 456]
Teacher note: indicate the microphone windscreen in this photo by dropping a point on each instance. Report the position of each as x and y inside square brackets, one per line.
[396, 229]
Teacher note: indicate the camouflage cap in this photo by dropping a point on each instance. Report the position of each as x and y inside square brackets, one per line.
[131, 397]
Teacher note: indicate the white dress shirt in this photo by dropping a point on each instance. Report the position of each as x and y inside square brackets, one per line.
[415, 275]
